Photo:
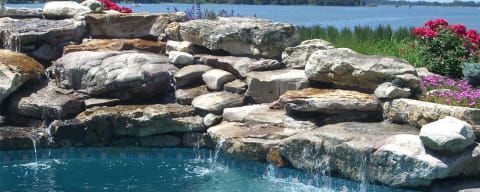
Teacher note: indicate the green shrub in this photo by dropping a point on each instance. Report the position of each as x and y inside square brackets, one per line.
[471, 73]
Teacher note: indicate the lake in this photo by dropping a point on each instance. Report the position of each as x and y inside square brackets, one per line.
[332, 15]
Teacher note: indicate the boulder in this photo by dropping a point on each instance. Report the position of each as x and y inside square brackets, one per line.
[15, 70]
[239, 114]
[211, 120]
[267, 86]
[423, 71]
[94, 6]
[124, 75]
[236, 86]
[180, 58]
[63, 9]
[103, 125]
[238, 35]
[46, 52]
[217, 101]
[186, 96]
[216, 78]
[419, 113]
[190, 75]
[16, 138]
[117, 45]
[68, 133]
[182, 46]
[26, 35]
[146, 25]
[448, 135]
[238, 66]
[20, 12]
[297, 57]
[331, 101]
[265, 65]
[92, 102]
[346, 68]
[388, 90]
[45, 102]
[197, 140]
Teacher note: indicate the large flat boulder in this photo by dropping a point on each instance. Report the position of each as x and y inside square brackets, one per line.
[375, 152]
[117, 45]
[346, 68]
[297, 57]
[20, 12]
[190, 75]
[215, 102]
[186, 96]
[104, 125]
[267, 86]
[124, 75]
[63, 9]
[45, 101]
[238, 66]
[27, 35]
[238, 35]
[419, 113]
[16, 138]
[131, 25]
[15, 70]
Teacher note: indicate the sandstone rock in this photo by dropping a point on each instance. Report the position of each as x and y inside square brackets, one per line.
[92, 102]
[236, 86]
[238, 35]
[63, 9]
[424, 71]
[160, 141]
[448, 135]
[26, 35]
[15, 70]
[124, 75]
[117, 45]
[146, 25]
[211, 120]
[404, 162]
[186, 96]
[20, 12]
[43, 101]
[216, 78]
[419, 113]
[267, 86]
[15, 138]
[329, 101]
[190, 75]
[238, 66]
[215, 102]
[297, 57]
[346, 68]
[389, 91]
[182, 46]
[180, 58]
[103, 125]
[239, 114]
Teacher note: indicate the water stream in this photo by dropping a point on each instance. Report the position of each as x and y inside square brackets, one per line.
[34, 148]
[218, 147]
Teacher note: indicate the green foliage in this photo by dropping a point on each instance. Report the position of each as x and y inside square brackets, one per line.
[471, 73]
[381, 40]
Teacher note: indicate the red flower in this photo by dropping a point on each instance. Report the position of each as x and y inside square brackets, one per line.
[430, 33]
[412, 46]
[419, 30]
[459, 29]
[441, 22]
[429, 23]
[113, 6]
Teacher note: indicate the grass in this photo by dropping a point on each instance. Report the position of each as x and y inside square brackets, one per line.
[381, 40]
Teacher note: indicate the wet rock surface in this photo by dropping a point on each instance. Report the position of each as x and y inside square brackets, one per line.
[15, 138]
[238, 35]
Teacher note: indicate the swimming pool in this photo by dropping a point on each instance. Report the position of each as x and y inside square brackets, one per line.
[154, 169]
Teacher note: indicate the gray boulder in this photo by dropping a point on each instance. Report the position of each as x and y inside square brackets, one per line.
[267, 86]
[238, 35]
[216, 78]
[20, 12]
[297, 57]
[186, 96]
[124, 75]
[16, 138]
[389, 91]
[190, 75]
[182, 46]
[346, 68]
[236, 86]
[180, 58]
[448, 135]
[63, 9]
[217, 101]
[211, 120]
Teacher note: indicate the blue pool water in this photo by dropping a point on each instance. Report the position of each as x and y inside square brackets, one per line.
[145, 169]
[332, 15]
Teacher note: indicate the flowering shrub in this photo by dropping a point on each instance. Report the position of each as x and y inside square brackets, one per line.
[443, 47]
[444, 90]
[196, 12]
[113, 6]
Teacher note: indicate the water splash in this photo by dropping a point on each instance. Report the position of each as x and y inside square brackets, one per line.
[218, 147]
[270, 172]
[34, 148]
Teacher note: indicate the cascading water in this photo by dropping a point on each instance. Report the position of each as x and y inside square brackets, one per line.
[218, 147]
[271, 171]
[11, 40]
[34, 148]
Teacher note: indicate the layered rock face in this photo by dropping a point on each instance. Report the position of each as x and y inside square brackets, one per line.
[238, 36]
[20, 13]
[15, 70]
[124, 75]
[297, 57]
[346, 68]
[117, 45]
[15, 138]
[131, 25]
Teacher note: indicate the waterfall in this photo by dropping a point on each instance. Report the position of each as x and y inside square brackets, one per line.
[11, 39]
[271, 171]
[34, 148]
[218, 147]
